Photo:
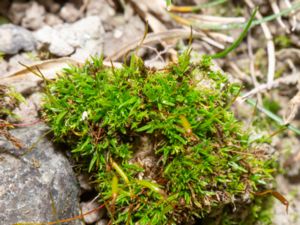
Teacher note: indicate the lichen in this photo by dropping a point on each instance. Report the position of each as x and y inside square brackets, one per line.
[162, 146]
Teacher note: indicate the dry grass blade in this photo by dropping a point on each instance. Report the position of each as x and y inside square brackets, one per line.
[292, 109]
[291, 79]
[270, 46]
[154, 38]
[276, 10]
[28, 78]
[294, 19]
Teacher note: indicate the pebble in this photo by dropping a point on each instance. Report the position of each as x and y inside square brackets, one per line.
[56, 44]
[63, 39]
[93, 216]
[52, 20]
[102, 222]
[100, 8]
[17, 11]
[51, 5]
[34, 16]
[84, 182]
[69, 13]
[3, 67]
[14, 39]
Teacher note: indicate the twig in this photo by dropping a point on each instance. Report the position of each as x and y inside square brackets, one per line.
[293, 78]
[154, 38]
[229, 26]
[270, 47]
[276, 9]
[252, 67]
[294, 19]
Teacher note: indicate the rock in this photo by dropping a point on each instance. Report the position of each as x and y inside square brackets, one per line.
[35, 178]
[34, 16]
[85, 34]
[84, 182]
[130, 31]
[14, 61]
[14, 39]
[102, 222]
[27, 112]
[69, 13]
[82, 32]
[52, 20]
[100, 8]
[17, 11]
[56, 44]
[95, 215]
[51, 5]
[3, 67]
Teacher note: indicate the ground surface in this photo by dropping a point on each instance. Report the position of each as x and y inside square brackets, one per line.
[266, 63]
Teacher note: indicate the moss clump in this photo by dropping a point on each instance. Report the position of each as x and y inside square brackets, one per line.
[9, 99]
[161, 145]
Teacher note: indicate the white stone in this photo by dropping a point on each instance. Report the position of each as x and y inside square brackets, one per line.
[93, 216]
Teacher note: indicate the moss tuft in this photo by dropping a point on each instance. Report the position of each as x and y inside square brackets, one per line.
[162, 145]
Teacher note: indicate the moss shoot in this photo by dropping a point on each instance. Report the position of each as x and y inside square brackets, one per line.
[162, 146]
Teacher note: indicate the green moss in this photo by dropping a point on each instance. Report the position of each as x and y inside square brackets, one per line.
[282, 41]
[9, 99]
[168, 136]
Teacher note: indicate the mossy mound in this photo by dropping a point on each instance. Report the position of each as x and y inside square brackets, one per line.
[162, 145]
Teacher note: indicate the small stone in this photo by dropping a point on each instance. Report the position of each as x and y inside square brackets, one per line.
[52, 20]
[56, 45]
[3, 67]
[93, 216]
[27, 112]
[34, 16]
[51, 5]
[14, 39]
[14, 61]
[69, 13]
[17, 11]
[102, 222]
[84, 183]
[100, 8]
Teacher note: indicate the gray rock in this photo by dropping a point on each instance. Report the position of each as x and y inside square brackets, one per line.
[131, 30]
[63, 39]
[52, 19]
[14, 39]
[34, 16]
[69, 13]
[17, 11]
[102, 222]
[3, 67]
[56, 44]
[93, 216]
[24, 58]
[51, 5]
[35, 178]
[101, 8]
